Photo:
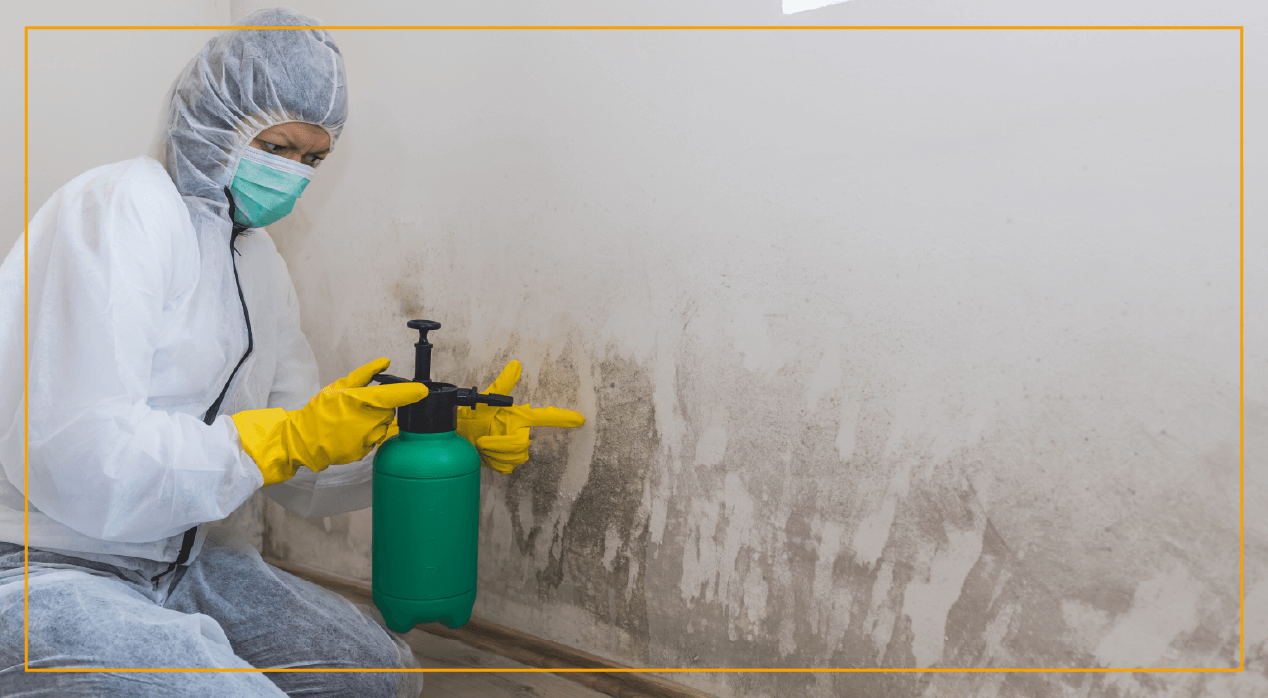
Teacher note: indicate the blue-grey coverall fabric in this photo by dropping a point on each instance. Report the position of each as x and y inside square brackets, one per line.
[229, 610]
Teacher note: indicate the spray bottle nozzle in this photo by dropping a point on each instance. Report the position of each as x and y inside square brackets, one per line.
[469, 398]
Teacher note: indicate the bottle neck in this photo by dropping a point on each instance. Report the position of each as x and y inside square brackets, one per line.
[435, 414]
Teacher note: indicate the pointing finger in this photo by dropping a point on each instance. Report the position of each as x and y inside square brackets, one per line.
[526, 415]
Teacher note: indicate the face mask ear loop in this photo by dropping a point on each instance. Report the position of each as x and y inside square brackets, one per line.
[238, 228]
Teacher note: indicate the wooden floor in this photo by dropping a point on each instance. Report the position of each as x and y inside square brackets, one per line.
[481, 644]
[433, 651]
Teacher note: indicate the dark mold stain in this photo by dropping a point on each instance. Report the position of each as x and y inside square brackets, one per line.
[973, 611]
[626, 446]
[558, 384]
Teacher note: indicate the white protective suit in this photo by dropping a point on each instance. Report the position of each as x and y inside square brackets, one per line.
[150, 323]
[138, 319]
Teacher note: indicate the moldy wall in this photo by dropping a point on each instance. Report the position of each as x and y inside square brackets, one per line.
[898, 349]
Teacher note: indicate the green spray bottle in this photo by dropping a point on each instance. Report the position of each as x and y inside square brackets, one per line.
[427, 504]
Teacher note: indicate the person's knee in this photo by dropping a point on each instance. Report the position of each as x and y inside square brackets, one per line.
[79, 620]
[378, 650]
[369, 648]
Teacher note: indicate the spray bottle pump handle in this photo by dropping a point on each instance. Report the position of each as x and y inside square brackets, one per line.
[423, 327]
[422, 348]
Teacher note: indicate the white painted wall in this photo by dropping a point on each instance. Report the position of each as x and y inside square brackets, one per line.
[95, 97]
[898, 348]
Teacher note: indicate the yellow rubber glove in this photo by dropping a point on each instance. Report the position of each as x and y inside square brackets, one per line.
[500, 434]
[341, 424]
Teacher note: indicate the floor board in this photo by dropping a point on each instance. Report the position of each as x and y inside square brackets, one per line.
[481, 645]
[433, 651]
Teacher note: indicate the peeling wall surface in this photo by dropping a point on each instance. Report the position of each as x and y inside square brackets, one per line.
[898, 349]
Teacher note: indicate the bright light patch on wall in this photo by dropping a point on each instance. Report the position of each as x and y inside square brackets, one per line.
[791, 6]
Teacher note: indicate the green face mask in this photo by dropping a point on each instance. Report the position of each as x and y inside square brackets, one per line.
[266, 186]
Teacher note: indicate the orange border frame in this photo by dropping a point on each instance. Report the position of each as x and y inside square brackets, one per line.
[1242, 347]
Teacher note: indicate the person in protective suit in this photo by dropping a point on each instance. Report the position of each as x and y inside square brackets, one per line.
[169, 380]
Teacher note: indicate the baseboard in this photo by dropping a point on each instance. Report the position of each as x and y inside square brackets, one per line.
[522, 647]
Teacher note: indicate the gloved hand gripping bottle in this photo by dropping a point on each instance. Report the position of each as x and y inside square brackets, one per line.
[427, 504]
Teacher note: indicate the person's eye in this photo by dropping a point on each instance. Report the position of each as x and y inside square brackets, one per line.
[271, 147]
[314, 161]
